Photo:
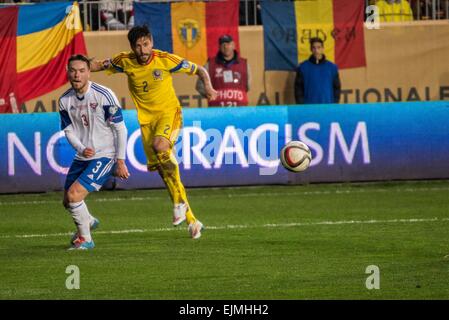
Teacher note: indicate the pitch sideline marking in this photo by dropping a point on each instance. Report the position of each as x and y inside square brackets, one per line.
[244, 226]
[245, 195]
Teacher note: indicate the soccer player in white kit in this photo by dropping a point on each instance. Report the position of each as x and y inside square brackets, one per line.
[92, 120]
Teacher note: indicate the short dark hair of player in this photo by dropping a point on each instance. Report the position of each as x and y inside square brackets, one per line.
[79, 57]
[138, 32]
[315, 40]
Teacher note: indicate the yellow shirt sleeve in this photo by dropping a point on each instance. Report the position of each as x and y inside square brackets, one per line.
[117, 63]
[176, 64]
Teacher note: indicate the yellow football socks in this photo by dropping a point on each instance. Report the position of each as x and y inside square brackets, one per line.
[169, 171]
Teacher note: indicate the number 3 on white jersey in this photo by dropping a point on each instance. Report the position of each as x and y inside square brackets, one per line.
[97, 167]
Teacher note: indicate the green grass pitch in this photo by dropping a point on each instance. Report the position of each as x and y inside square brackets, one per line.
[268, 242]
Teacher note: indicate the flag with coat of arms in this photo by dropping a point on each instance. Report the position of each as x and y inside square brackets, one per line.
[190, 29]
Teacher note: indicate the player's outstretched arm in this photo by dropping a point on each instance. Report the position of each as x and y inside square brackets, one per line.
[99, 65]
[202, 73]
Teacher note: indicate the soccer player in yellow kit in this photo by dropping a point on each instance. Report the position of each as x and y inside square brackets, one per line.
[159, 113]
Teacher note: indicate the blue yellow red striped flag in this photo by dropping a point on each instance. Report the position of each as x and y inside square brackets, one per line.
[39, 39]
[288, 27]
[189, 29]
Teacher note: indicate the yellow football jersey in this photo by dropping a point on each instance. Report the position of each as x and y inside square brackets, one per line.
[151, 85]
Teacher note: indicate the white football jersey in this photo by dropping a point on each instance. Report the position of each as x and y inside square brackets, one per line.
[93, 121]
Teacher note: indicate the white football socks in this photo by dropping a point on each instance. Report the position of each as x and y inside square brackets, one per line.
[81, 217]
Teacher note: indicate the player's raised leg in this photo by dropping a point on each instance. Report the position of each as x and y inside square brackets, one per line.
[74, 203]
[169, 171]
[158, 137]
[85, 177]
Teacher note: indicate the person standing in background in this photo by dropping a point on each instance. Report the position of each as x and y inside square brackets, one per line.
[317, 79]
[230, 76]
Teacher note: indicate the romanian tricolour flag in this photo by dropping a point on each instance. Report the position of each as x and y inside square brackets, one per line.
[288, 27]
[189, 29]
[36, 42]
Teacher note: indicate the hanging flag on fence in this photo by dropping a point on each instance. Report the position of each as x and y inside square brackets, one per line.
[37, 40]
[189, 29]
[288, 27]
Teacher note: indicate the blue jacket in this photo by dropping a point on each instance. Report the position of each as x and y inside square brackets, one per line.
[317, 82]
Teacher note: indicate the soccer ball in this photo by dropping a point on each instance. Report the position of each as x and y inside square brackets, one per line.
[296, 156]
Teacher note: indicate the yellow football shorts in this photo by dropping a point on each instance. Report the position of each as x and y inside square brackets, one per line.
[164, 124]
